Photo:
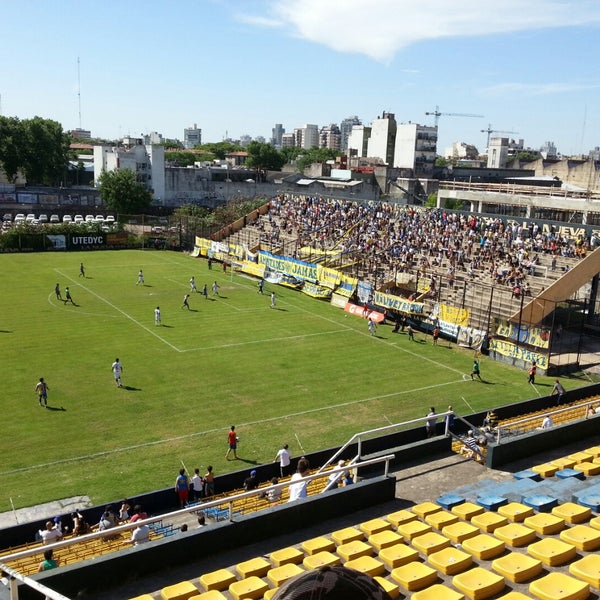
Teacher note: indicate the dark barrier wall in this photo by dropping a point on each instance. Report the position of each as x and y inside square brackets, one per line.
[193, 545]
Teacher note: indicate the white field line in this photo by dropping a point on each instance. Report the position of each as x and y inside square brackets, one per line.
[126, 315]
[221, 429]
[81, 312]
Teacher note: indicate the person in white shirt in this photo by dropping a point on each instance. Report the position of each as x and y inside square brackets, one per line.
[547, 422]
[157, 320]
[50, 534]
[197, 485]
[117, 369]
[283, 457]
[140, 535]
[298, 490]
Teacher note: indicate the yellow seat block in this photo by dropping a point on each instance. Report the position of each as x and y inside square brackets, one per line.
[212, 595]
[414, 576]
[479, 583]
[580, 457]
[217, 580]
[545, 470]
[440, 519]
[250, 588]
[589, 469]
[437, 592]
[366, 564]
[348, 534]
[392, 589]
[450, 561]
[430, 542]
[143, 597]
[256, 567]
[515, 511]
[515, 534]
[179, 591]
[558, 586]
[286, 555]
[563, 463]
[384, 539]
[280, 575]
[270, 593]
[595, 523]
[460, 532]
[552, 552]
[425, 508]
[545, 523]
[318, 544]
[374, 526]
[488, 521]
[413, 529]
[400, 517]
[572, 513]
[355, 549]
[582, 537]
[587, 569]
[514, 596]
[467, 510]
[321, 559]
[517, 567]
[594, 451]
[483, 546]
[398, 555]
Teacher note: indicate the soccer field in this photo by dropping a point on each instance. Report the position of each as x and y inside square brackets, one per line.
[301, 373]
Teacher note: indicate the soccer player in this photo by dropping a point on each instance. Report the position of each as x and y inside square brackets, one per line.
[140, 278]
[261, 285]
[68, 296]
[193, 286]
[475, 372]
[157, 320]
[57, 292]
[205, 292]
[81, 270]
[232, 440]
[185, 302]
[372, 327]
[42, 391]
[117, 369]
[215, 288]
[273, 301]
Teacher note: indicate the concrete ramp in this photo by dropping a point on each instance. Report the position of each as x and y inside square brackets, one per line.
[562, 289]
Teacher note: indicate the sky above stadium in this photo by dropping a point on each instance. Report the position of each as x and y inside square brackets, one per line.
[237, 67]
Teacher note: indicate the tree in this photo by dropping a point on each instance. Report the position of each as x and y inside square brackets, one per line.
[123, 193]
[220, 149]
[315, 155]
[264, 157]
[11, 148]
[290, 153]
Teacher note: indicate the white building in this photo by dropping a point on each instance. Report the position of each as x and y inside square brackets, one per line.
[461, 150]
[192, 136]
[307, 137]
[146, 161]
[415, 148]
[381, 144]
[346, 127]
[330, 137]
[358, 140]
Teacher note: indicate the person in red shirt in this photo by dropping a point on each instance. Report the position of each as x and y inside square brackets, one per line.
[232, 440]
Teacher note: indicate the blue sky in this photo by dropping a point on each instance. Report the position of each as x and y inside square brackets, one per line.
[237, 67]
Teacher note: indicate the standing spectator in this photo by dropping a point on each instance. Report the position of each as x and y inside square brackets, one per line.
[475, 371]
[117, 369]
[273, 300]
[140, 279]
[559, 391]
[140, 535]
[209, 482]
[41, 389]
[210, 261]
[50, 534]
[193, 285]
[215, 288]
[532, 371]
[49, 561]
[430, 423]
[81, 270]
[436, 335]
[298, 490]
[157, 319]
[449, 419]
[197, 485]
[80, 525]
[68, 297]
[138, 514]
[251, 483]
[283, 457]
[232, 440]
[57, 292]
[182, 487]
[185, 302]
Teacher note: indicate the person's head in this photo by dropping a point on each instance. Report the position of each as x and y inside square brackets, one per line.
[233, 428]
[137, 509]
[48, 554]
[49, 525]
[341, 463]
[41, 380]
[125, 502]
[274, 481]
[285, 446]
[253, 473]
[197, 471]
[182, 471]
[210, 468]
[431, 409]
[470, 432]
[556, 381]
[202, 520]
[303, 465]
[184, 528]
[116, 360]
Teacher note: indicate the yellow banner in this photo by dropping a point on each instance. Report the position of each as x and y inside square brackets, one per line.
[203, 243]
[316, 291]
[252, 268]
[534, 336]
[513, 351]
[328, 277]
[456, 316]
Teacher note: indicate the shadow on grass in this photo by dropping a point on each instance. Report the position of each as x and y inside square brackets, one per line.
[130, 388]
[56, 408]
[6, 331]
[247, 461]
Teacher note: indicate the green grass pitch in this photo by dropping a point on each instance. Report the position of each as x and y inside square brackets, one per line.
[302, 373]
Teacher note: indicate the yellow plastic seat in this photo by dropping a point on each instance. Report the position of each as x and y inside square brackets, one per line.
[450, 561]
[587, 569]
[484, 546]
[374, 526]
[384, 539]
[398, 555]
[589, 469]
[572, 513]
[558, 586]
[595, 523]
[459, 532]
[488, 521]
[318, 544]
[366, 564]
[348, 534]
[515, 534]
[270, 593]
[582, 537]
[437, 592]
[414, 576]
[250, 588]
[280, 575]
[179, 591]
[391, 588]
[545, 523]
[400, 517]
[594, 451]
[563, 463]
[430, 542]
[256, 567]
[355, 549]
[514, 596]
[517, 567]
[515, 511]
[413, 529]
[552, 552]
[467, 510]
[479, 583]
[143, 597]
[212, 595]
[438, 520]
[286, 555]
[580, 457]
[545, 470]
[425, 508]
[321, 559]
[217, 580]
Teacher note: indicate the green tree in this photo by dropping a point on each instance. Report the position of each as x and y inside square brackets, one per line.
[220, 149]
[315, 155]
[11, 147]
[290, 153]
[264, 157]
[123, 193]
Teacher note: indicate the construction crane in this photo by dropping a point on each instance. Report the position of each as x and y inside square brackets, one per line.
[437, 114]
[489, 131]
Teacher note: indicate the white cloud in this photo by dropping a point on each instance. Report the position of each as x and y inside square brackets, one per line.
[259, 21]
[537, 89]
[379, 29]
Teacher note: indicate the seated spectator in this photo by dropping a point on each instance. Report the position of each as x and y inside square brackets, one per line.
[49, 562]
[124, 515]
[138, 514]
[334, 479]
[105, 521]
[274, 495]
[470, 446]
[50, 535]
[251, 483]
[348, 479]
[140, 535]
[201, 521]
[591, 411]
[546, 422]
[80, 525]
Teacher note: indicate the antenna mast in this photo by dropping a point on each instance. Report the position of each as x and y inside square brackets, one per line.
[79, 90]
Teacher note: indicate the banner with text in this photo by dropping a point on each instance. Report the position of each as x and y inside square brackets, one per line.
[398, 304]
[533, 336]
[289, 266]
[316, 291]
[328, 277]
[513, 351]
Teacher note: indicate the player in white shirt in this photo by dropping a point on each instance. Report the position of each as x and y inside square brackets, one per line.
[157, 320]
[117, 369]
